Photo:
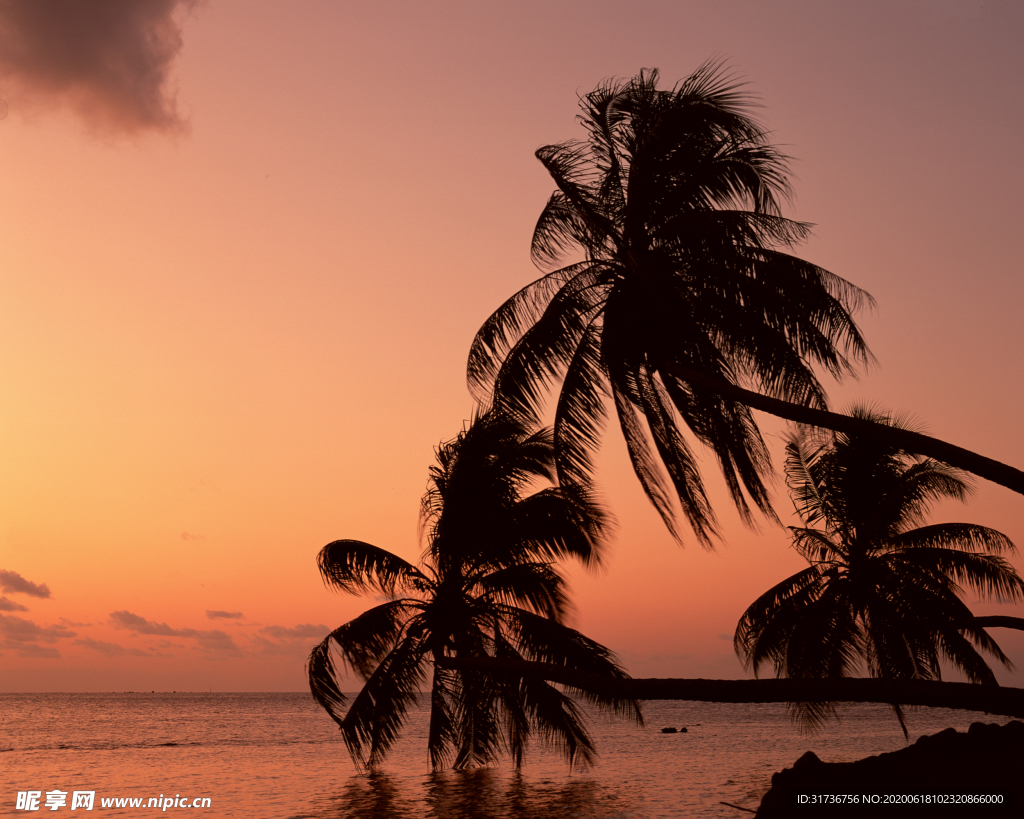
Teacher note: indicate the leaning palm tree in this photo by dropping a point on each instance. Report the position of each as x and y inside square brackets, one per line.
[686, 310]
[487, 587]
[883, 591]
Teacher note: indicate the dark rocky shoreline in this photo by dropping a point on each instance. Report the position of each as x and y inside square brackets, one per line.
[986, 760]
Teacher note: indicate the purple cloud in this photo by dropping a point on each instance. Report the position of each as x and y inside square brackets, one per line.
[42, 652]
[294, 641]
[299, 632]
[108, 649]
[110, 62]
[140, 625]
[216, 614]
[15, 583]
[214, 640]
[19, 630]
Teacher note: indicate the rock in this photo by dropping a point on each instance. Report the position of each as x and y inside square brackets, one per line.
[987, 760]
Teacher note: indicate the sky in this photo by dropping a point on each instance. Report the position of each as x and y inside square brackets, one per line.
[246, 246]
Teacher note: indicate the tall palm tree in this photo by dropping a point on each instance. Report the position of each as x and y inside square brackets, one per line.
[486, 587]
[883, 590]
[685, 307]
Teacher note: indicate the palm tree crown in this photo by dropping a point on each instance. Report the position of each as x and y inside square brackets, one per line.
[486, 587]
[883, 588]
[674, 201]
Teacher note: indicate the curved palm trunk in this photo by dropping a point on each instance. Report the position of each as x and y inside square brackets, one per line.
[966, 696]
[998, 621]
[988, 468]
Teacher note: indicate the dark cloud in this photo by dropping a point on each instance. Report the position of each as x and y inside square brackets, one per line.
[300, 632]
[18, 630]
[10, 605]
[168, 645]
[43, 652]
[108, 61]
[216, 614]
[261, 645]
[140, 625]
[294, 641]
[214, 640]
[109, 649]
[15, 583]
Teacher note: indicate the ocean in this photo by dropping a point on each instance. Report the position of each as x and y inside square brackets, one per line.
[278, 756]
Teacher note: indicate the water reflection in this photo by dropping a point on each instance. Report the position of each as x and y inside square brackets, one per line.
[481, 793]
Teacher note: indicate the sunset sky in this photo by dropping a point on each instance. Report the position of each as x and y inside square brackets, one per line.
[244, 248]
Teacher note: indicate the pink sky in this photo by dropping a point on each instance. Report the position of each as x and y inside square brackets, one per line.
[241, 273]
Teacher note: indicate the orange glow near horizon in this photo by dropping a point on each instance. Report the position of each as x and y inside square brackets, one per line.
[232, 337]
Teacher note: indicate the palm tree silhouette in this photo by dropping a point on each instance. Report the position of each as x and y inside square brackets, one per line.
[486, 587]
[883, 589]
[685, 307]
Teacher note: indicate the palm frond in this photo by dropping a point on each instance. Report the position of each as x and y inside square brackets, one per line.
[580, 411]
[323, 681]
[768, 625]
[541, 355]
[543, 640]
[728, 429]
[478, 722]
[506, 325]
[366, 640]
[967, 537]
[817, 547]
[560, 720]
[534, 585]
[676, 456]
[991, 576]
[561, 522]
[645, 466]
[378, 711]
[804, 479]
[354, 566]
[442, 735]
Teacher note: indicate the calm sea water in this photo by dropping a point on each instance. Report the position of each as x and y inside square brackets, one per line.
[278, 756]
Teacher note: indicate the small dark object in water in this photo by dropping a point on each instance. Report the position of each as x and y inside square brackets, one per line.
[673, 730]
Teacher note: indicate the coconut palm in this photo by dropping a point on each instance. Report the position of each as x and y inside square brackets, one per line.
[686, 306]
[486, 587]
[883, 591]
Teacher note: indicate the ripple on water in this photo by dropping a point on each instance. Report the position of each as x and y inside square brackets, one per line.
[277, 756]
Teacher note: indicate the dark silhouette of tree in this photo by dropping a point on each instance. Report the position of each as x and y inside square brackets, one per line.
[883, 589]
[486, 587]
[685, 307]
